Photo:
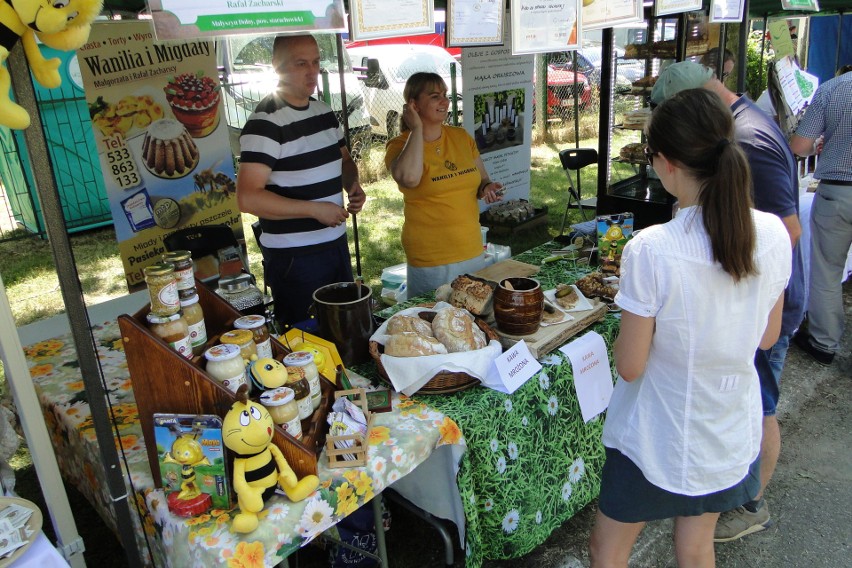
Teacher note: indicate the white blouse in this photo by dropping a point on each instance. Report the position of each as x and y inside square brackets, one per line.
[692, 421]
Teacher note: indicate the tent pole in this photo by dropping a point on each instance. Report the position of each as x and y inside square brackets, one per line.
[75, 305]
[38, 439]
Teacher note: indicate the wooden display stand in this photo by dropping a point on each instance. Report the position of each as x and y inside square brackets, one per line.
[337, 457]
[164, 381]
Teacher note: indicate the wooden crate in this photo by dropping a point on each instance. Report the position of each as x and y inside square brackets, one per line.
[336, 456]
[164, 381]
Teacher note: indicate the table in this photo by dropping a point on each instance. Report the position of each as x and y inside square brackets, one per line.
[398, 442]
[531, 463]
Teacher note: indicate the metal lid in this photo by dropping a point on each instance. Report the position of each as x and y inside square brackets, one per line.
[176, 255]
[159, 269]
[223, 352]
[189, 300]
[252, 321]
[299, 359]
[234, 283]
[277, 397]
[154, 318]
[237, 336]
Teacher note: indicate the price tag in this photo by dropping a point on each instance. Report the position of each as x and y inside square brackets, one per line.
[120, 162]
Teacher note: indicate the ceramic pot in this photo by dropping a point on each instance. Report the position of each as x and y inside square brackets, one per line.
[345, 319]
[518, 306]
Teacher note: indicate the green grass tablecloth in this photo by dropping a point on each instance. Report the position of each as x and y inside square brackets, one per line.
[531, 461]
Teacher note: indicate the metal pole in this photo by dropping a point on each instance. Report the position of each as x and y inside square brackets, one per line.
[762, 51]
[344, 102]
[742, 62]
[453, 101]
[75, 305]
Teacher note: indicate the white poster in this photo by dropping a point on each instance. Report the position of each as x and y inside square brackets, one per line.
[474, 22]
[373, 19]
[599, 14]
[797, 86]
[722, 11]
[542, 27]
[665, 7]
[499, 88]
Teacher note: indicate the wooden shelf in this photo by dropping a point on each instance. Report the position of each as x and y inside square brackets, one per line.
[164, 381]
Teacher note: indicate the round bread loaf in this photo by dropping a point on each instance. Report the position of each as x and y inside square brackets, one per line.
[410, 344]
[456, 329]
[401, 323]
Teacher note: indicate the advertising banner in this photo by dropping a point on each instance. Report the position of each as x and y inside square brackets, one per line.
[498, 87]
[163, 146]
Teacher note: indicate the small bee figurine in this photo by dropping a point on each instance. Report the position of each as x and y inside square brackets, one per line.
[187, 452]
[259, 466]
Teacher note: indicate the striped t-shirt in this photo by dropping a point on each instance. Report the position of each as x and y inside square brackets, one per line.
[302, 146]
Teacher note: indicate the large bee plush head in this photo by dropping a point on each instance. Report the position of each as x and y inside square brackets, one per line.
[268, 373]
[247, 428]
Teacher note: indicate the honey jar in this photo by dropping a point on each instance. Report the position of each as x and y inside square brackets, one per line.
[257, 325]
[300, 365]
[281, 404]
[162, 287]
[242, 338]
[226, 366]
[173, 330]
[184, 272]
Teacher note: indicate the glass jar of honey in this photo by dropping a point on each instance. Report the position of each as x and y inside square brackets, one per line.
[162, 287]
[194, 316]
[281, 404]
[242, 338]
[184, 270]
[226, 366]
[300, 364]
[173, 330]
[257, 325]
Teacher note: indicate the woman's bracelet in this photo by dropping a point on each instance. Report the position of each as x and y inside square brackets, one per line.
[482, 185]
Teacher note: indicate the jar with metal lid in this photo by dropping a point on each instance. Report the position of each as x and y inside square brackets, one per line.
[257, 325]
[281, 404]
[241, 293]
[194, 316]
[302, 390]
[173, 330]
[226, 366]
[300, 364]
[242, 338]
[162, 287]
[184, 270]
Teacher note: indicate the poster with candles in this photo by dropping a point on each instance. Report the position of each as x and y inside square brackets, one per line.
[498, 87]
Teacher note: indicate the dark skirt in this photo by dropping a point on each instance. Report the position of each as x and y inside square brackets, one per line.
[628, 497]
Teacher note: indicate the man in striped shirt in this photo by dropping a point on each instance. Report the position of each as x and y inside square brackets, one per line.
[293, 163]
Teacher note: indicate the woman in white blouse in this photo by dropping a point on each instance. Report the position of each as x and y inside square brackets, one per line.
[699, 294]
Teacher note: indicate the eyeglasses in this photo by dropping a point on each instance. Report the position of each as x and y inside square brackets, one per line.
[649, 155]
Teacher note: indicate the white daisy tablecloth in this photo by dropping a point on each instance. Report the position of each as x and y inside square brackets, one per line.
[398, 442]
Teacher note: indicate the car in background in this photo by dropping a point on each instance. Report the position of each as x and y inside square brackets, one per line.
[589, 64]
[563, 85]
[385, 70]
[245, 62]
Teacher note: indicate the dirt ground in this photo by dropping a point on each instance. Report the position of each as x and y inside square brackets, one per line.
[809, 498]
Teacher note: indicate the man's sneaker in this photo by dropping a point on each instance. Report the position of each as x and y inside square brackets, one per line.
[803, 340]
[739, 522]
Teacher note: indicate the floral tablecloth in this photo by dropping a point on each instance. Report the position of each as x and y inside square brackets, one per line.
[398, 442]
[531, 462]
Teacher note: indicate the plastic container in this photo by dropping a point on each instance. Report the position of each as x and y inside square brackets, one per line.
[394, 284]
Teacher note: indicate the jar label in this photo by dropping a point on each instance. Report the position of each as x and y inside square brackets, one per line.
[264, 349]
[305, 407]
[234, 382]
[295, 374]
[198, 334]
[185, 278]
[183, 346]
[168, 297]
[316, 390]
[294, 427]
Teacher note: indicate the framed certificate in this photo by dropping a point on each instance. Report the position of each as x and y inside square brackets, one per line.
[599, 14]
[722, 11]
[665, 7]
[474, 22]
[388, 18]
[539, 27]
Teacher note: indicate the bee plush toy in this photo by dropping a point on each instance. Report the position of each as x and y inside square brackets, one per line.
[60, 24]
[267, 374]
[259, 466]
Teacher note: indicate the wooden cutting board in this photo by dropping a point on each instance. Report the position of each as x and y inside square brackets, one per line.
[546, 339]
[507, 269]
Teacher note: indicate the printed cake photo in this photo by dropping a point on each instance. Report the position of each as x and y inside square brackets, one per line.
[168, 151]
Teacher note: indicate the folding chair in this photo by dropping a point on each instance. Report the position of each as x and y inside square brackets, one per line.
[573, 160]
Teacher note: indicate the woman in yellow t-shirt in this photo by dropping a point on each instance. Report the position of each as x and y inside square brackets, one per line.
[440, 174]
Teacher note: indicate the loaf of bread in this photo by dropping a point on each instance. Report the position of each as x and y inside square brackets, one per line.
[410, 344]
[401, 323]
[471, 293]
[456, 329]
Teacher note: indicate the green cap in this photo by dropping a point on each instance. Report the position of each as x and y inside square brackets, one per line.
[678, 77]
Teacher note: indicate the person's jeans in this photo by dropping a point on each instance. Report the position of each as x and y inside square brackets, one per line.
[769, 364]
[831, 237]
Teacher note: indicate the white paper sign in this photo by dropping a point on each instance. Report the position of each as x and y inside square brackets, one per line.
[592, 375]
[797, 86]
[513, 368]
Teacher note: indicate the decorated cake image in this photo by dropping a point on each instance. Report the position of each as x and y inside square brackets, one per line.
[194, 100]
[168, 151]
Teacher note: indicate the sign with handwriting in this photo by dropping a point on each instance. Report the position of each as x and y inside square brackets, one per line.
[592, 375]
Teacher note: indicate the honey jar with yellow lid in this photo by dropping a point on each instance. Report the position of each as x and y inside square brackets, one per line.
[242, 338]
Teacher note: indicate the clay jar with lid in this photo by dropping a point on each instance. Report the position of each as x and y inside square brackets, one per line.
[194, 316]
[300, 365]
[257, 325]
[281, 404]
[242, 338]
[162, 287]
[518, 306]
[226, 366]
[173, 330]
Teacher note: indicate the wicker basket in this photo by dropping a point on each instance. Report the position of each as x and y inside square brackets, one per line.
[445, 381]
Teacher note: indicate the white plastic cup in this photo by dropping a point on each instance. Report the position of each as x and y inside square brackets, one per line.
[484, 231]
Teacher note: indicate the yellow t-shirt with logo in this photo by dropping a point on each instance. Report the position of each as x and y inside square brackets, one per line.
[442, 213]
